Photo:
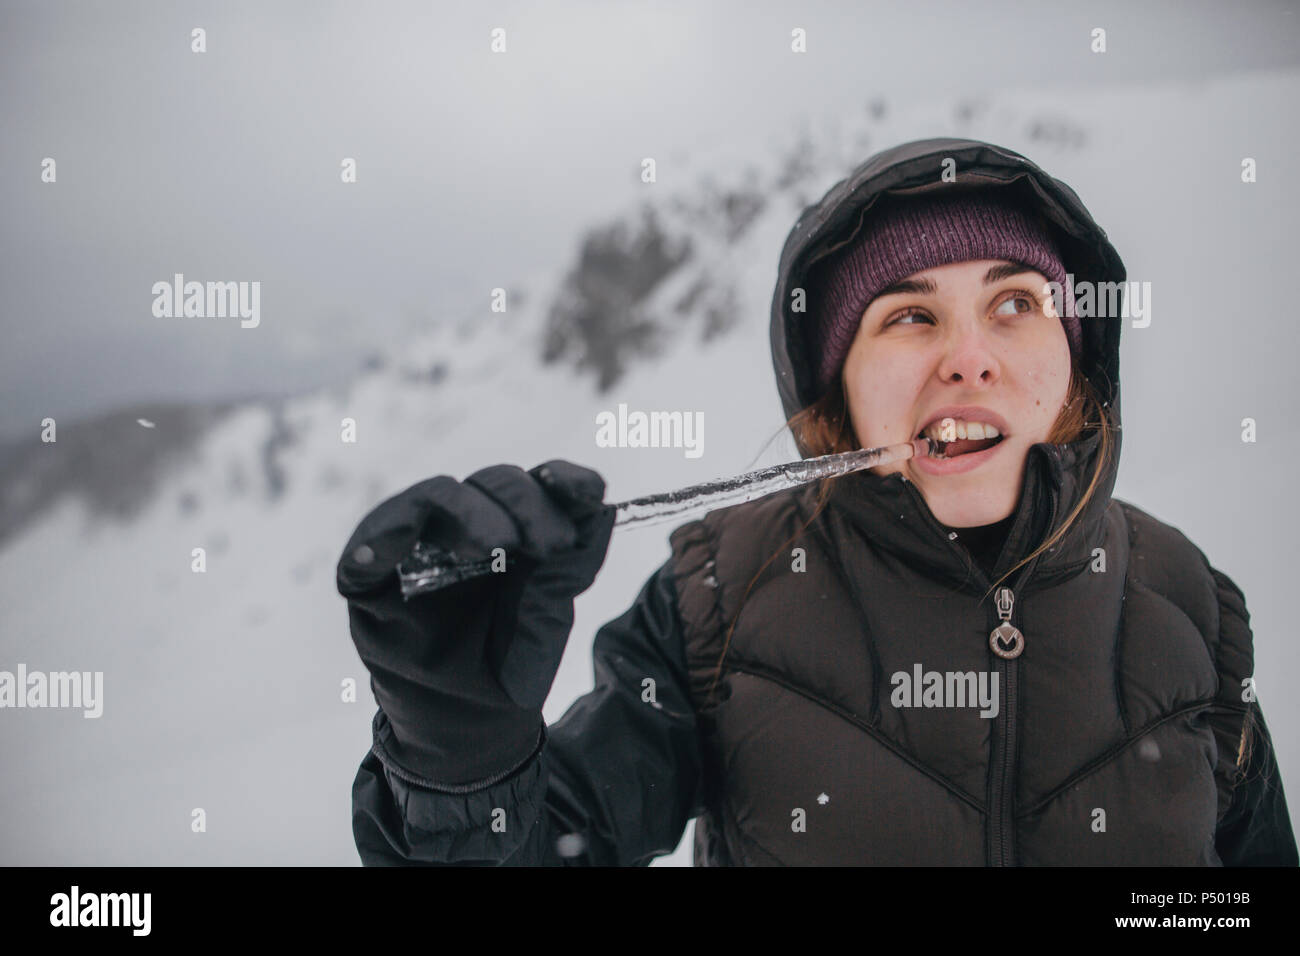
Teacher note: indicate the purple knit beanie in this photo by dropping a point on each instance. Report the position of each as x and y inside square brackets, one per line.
[914, 235]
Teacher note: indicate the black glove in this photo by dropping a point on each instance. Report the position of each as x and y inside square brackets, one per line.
[461, 673]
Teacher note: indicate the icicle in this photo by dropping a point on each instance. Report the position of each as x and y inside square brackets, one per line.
[428, 568]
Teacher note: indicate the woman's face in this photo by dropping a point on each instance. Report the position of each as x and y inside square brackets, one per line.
[980, 334]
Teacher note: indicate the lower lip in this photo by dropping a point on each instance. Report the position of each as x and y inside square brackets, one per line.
[955, 466]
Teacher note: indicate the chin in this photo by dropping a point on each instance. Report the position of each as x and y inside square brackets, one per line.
[971, 507]
[976, 497]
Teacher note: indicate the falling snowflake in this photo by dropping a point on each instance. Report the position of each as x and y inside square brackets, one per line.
[570, 845]
[1149, 750]
[145, 422]
[823, 799]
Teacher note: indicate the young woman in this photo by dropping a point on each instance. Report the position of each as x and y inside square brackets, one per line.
[979, 659]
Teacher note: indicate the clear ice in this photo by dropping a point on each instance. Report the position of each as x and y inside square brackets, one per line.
[726, 492]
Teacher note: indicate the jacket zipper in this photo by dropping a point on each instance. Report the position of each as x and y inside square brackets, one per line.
[1002, 798]
[1001, 813]
[1001, 825]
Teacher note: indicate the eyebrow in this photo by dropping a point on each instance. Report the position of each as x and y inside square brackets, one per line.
[926, 286]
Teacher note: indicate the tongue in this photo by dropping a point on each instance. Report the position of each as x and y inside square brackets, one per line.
[963, 446]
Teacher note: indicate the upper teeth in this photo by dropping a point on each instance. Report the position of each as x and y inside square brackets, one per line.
[951, 429]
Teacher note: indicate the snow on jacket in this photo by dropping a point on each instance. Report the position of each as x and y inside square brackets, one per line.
[1116, 734]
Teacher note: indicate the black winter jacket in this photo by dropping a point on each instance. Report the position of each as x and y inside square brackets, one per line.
[1117, 736]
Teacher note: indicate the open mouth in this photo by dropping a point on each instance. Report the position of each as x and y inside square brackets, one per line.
[961, 446]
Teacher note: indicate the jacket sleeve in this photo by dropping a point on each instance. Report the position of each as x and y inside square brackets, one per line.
[611, 783]
[1255, 829]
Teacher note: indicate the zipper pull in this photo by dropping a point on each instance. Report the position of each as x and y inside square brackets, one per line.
[1006, 639]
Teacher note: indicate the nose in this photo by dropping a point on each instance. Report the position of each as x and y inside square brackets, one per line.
[968, 356]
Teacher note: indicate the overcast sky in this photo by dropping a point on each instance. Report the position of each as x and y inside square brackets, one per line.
[474, 167]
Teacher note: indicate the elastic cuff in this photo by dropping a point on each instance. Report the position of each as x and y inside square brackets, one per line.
[382, 731]
[399, 823]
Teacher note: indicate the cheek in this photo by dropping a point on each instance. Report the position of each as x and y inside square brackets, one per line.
[873, 386]
[875, 376]
[1056, 378]
[1047, 384]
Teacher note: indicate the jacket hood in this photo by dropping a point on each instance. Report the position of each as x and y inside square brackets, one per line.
[1056, 475]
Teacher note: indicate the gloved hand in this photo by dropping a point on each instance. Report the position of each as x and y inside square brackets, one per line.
[461, 673]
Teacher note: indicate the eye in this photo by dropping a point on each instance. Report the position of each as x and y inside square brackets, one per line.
[908, 315]
[1022, 304]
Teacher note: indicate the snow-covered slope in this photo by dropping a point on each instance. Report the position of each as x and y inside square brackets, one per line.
[222, 689]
